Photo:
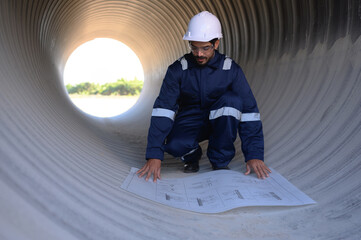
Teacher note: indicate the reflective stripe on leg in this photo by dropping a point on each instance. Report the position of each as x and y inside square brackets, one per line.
[225, 111]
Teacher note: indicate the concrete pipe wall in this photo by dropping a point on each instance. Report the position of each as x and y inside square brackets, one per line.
[61, 170]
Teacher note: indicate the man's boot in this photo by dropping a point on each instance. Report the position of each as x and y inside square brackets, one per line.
[191, 160]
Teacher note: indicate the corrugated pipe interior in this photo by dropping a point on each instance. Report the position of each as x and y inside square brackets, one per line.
[61, 170]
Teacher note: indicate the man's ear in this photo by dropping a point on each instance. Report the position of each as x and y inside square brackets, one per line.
[216, 44]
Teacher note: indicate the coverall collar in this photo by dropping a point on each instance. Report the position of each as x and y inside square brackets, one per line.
[213, 63]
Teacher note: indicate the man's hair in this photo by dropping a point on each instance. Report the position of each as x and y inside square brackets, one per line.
[213, 41]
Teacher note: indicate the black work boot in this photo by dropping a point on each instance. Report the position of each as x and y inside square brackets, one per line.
[191, 161]
[220, 168]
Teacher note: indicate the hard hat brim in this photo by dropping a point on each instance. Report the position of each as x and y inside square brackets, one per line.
[200, 39]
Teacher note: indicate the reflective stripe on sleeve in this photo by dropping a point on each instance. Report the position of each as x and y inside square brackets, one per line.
[162, 112]
[247, 117]
[225, 111]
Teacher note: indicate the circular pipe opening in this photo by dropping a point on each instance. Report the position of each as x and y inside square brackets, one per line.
[103, 77]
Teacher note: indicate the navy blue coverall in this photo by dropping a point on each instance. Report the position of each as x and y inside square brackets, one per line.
[211, 102]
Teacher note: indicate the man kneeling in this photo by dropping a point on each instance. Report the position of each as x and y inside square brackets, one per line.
[204, 96]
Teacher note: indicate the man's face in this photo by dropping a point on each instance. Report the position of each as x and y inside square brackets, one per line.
[203, 51]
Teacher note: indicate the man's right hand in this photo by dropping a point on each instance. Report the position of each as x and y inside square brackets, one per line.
[151, 167]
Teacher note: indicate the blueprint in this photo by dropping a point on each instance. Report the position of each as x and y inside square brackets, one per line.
[217, 191]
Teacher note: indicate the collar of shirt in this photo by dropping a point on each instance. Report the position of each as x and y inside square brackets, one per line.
[213, 63]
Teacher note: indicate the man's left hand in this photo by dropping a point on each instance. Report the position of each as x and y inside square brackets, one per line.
[258, 167]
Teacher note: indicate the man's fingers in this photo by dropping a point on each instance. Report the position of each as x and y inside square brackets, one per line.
[258, 172]
[253, 167]
[267, 171]
[152, 167]
[159, 173]
[155, 177]
[264, 171]
[248, 170]
[260, 169]
[148, 175]
[139, 171]
[142, 171]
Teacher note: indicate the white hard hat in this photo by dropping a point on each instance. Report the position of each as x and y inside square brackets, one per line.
[203, 27]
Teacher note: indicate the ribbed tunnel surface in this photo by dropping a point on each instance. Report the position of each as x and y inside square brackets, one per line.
[61, 170]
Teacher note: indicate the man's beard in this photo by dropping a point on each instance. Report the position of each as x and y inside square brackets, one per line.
[201, 58]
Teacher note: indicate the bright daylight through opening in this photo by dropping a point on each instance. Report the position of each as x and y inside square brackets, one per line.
[103, 77]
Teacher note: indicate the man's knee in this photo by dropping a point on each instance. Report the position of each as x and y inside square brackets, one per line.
[228, 105]
[228, 99]
[178, 147]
